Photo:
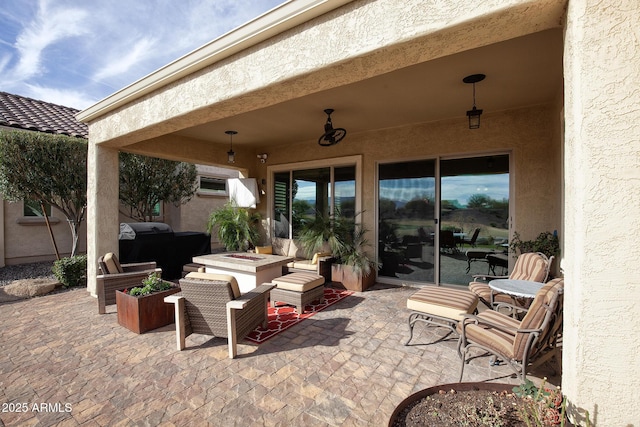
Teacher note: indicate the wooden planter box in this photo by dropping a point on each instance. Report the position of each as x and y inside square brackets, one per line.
[142, 314]
[350, 280]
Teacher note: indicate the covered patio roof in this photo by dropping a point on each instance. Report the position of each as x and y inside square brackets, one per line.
[385, 81]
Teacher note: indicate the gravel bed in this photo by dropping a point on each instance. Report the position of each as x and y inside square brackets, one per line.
[34, 270]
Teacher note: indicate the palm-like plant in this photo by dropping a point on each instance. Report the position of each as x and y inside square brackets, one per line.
[345, 237]
[237, 227]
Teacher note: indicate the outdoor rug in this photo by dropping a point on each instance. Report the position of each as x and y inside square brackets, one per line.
[285, 316]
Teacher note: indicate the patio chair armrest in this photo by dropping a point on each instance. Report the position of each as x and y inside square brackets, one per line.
[257, 292]
[487, 277]
[139, 266]
[180, 318]
[127, 275]
[472, 318]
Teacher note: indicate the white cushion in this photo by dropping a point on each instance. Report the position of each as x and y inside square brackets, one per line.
[299, 282]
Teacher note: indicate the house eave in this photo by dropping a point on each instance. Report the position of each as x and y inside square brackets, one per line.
[265, 26]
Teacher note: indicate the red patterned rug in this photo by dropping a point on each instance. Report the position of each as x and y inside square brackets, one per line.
[285, 316]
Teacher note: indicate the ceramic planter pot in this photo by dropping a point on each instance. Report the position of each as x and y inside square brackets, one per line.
[145, 313]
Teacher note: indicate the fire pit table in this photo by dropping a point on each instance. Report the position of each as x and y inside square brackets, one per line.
[249, 269]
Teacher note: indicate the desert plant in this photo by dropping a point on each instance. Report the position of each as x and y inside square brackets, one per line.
[237, 227]
[150, 284]
[345, 237]
[71, 271]
[546, 242]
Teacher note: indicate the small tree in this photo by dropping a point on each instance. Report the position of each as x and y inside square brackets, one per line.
[46, 168]
[146, 181]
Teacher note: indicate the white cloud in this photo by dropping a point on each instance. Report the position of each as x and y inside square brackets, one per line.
[49, 27]
[92, 49]
[66, 97]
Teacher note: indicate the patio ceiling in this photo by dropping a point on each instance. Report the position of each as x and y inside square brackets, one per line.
[520, 72]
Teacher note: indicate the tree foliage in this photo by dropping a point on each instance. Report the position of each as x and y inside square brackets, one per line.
[237, 227]
[146, 181]
[46, 168]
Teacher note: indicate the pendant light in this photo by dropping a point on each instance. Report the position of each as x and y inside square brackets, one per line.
[474, 113]
[231, 155]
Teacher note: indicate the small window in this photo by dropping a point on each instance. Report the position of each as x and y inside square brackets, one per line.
[33, 208]
[213, 186]
[156, 210]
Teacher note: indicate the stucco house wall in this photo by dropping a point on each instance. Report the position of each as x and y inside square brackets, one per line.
[27, 239]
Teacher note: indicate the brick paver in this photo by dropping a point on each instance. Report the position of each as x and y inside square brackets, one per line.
[64, 364]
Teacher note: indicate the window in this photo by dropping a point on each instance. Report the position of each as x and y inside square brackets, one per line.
[301, 193]
[32, 208]
[213, 186]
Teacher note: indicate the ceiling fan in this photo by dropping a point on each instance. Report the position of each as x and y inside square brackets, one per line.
[331, 135]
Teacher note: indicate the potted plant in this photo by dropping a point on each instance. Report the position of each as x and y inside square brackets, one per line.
[546, 242]
[237, 227]
[141, 309]
[347, 240]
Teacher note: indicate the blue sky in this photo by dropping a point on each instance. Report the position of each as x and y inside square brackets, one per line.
[77, 52]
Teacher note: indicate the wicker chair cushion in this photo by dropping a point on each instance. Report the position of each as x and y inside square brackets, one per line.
[280, 246]
[267, 250]
[299, 282]
[443, 302]
[319, 255]
[303, 264]
[530, 266]
[218, 277]
[112, 264]
[296, 250]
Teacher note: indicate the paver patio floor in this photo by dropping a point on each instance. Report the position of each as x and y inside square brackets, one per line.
[345, 366]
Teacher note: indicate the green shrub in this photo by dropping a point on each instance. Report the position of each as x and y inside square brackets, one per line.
[153, 283]
[71, 271]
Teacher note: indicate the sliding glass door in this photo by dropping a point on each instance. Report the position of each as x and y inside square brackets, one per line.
[474, 207]
[438, 220]
[406, 227]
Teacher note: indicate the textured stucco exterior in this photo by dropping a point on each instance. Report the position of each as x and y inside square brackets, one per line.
[595, 149]
[27, 239]
[602, 199]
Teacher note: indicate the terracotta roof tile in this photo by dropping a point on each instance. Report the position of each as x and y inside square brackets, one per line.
[26, 113]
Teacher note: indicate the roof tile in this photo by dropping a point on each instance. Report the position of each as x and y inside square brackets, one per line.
[26, 113]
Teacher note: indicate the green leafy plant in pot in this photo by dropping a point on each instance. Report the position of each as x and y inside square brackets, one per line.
[347, 240]
[151, 284]
[237, 227]
[546, 242]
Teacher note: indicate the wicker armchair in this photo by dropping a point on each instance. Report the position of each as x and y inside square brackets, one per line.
[534, 266]
[532, 340]
[117, 277]
[211, 304]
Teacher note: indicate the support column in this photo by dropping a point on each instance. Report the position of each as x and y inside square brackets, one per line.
[103, 223]
[602, 206]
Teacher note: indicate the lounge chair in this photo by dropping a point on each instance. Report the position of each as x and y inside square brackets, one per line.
[211, 304]
[519, 343]
[533, 266]
[471, 242]
[117, 277]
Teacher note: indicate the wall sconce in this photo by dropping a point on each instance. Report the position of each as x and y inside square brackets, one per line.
[263, 157]
[474, 113]
[231, 155]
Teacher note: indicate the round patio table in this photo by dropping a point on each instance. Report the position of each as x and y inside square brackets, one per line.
[517, 288]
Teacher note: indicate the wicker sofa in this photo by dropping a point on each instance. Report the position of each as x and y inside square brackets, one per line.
[320, 263]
